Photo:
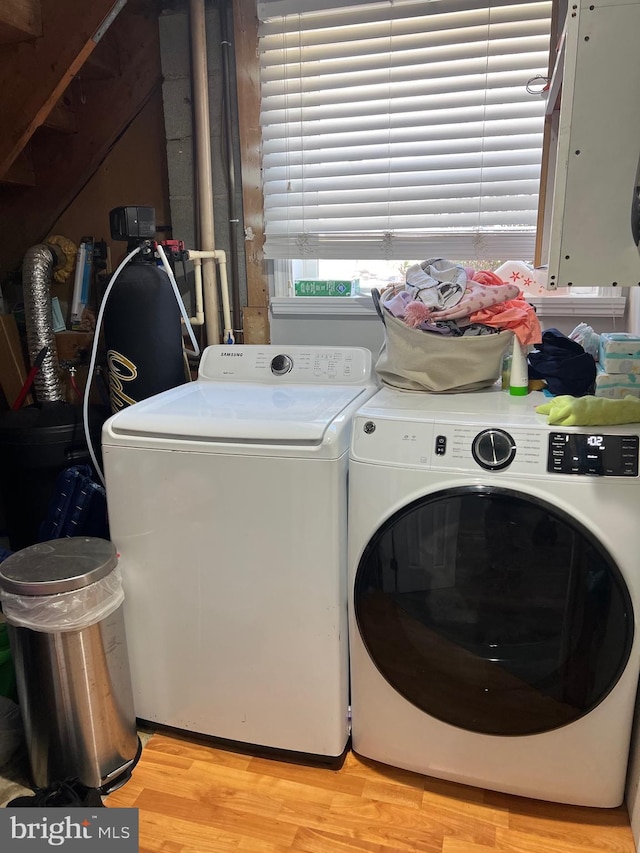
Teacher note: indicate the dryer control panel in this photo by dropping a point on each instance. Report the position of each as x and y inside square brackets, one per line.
[593, 453]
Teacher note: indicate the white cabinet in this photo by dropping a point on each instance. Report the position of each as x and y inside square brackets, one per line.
[595, 147]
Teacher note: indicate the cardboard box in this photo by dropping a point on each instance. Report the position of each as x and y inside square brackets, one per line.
[73, 346]
[326, 287]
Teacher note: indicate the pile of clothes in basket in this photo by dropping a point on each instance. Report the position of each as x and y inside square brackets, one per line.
[448, 299]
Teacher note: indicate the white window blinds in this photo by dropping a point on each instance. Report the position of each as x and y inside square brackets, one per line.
[402, 128]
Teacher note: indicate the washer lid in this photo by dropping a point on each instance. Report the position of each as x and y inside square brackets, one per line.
[235, 412]
[59, 565]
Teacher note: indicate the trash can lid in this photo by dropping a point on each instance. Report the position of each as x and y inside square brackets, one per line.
[59, 565]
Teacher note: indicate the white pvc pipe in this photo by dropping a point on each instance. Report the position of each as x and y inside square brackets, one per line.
[204, 176]
[176, 292]
[198, 320]
[220, 256]
[228, 337]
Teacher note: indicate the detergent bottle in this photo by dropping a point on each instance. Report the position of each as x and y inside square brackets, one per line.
[519, 376]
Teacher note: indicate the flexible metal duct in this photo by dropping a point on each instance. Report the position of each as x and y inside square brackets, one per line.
[37, 271]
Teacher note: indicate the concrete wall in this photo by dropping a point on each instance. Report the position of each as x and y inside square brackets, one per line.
[177, 100]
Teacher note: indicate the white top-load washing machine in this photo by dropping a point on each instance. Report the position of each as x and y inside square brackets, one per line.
[494, 582]
[227, 501]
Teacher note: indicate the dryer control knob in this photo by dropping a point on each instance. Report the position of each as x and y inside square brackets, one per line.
[281, 364]
[493, 449]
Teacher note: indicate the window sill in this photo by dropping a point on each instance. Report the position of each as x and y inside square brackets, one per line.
[555, 303]
[330, 306]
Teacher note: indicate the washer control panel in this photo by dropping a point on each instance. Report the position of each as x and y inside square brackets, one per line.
[593, 453]
[517, 449]
[295, 364]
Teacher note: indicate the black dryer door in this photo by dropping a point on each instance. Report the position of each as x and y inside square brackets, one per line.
[493, 611]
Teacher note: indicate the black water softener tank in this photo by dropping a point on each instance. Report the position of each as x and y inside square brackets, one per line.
[36, 444]
[142, 318]
[142, 334]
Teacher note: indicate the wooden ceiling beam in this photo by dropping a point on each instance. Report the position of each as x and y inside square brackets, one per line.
[34, 75]
[21, 173]
[103, 63]
[62, 117]
[20, 20]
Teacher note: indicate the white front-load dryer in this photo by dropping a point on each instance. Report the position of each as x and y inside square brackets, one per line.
[494, 583]
[227, 502]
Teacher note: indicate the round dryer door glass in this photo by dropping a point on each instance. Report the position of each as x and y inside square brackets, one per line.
[493, 611]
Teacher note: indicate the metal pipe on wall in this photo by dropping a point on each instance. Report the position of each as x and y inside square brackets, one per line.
[226, 9]
[202, 153]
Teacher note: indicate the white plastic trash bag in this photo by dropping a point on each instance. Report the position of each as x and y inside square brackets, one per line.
[65, 611]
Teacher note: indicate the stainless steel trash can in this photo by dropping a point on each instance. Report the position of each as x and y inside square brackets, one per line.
[62, 600]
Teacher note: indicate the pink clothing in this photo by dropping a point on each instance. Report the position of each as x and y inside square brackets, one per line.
[416, 313]
[517, 315]
[476, 297]
[512, 312]
[487, 300]
[486, 277]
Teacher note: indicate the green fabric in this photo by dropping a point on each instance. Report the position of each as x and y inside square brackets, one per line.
[591, 411]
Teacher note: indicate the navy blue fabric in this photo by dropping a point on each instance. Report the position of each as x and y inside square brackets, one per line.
[563, 364]
[78, 507]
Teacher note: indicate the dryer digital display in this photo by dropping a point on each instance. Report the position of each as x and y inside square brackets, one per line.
[593, 453]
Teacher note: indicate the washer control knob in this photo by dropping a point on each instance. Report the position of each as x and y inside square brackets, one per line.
[281, 364]
[493, 449]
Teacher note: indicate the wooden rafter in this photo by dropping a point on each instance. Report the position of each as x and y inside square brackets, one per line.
[35, 74]
[20, 20]
[64, 163]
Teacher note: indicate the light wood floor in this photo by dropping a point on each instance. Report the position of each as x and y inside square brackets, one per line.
[194, 798]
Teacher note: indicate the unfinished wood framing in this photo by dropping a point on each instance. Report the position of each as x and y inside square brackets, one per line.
[255, 315]
[35, 74]
[22, 172]
[63, 164]
[20, 20]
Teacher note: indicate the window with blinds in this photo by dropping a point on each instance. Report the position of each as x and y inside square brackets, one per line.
[402, 128]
